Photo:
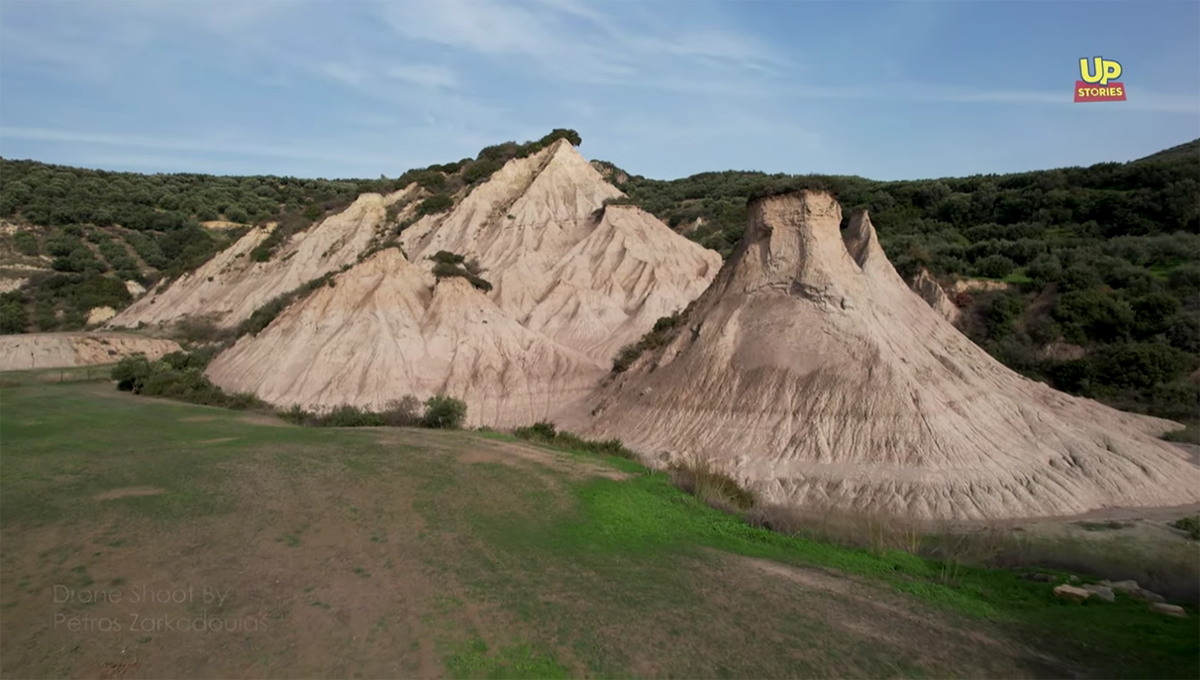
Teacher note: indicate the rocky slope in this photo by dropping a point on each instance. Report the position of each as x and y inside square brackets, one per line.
[572, 281]
[812, 373]
[60, 350]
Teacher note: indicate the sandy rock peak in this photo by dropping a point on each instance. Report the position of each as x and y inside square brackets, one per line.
[813, 374]
[588, 278]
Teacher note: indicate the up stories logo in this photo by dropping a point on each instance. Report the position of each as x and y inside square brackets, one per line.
[1098, 82]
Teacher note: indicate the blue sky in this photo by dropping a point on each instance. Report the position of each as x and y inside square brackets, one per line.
[360, 88]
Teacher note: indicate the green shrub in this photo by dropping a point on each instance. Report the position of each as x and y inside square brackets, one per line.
[434, 204]
[447, 257]
[13, 318]
[263, 316]
[402, 412]
[444, 412]
[626, 356]
[313, 212]
[1140, 365]
[1072, 375]
[545, 432]
[1189, 524]
[715, 488]
[1093, 315]
[350, 416]
[445, 269]
[431, 180]
[660, 335]
[177, 376]
[995, 267]
[26, 243]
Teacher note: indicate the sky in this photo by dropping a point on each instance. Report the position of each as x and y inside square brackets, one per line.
[665, 89]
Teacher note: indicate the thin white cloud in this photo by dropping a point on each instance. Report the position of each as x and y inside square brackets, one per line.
[347, 74]
[577, 42]
[425, 75]
[226, 18]
[924, 93]
[226, 147]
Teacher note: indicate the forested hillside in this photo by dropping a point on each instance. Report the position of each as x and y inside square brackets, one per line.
[1102, 264]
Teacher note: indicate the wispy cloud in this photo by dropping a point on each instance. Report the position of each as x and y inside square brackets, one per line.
[299, 151]
[576, 42]
[928, 93]
[425, 75]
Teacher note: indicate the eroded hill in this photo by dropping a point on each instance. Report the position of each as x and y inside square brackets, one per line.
[557, 283]
[812, 373]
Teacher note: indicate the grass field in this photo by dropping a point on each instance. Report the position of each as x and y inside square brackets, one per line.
[142, 538]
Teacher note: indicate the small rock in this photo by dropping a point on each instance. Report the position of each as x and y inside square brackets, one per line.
[1031, 576]
[1103, 592]
[1067, 592]
[1072, 579]
[1132, 589]
[1168, 609]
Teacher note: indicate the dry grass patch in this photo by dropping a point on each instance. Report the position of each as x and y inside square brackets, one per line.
[130, 492]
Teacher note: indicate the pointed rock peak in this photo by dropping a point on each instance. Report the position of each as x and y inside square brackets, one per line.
[386, 260]
[562, 155]
[793, 238]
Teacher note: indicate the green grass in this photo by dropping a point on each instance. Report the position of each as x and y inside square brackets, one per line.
[95, 373]
[532, 571]
[1017, 277]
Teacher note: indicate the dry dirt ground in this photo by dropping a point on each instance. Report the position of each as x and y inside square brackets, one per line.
[150, 539]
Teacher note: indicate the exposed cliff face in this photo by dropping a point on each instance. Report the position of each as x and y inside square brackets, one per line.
[572, 283]
[60, 350]
[229, 287]
[811, 372]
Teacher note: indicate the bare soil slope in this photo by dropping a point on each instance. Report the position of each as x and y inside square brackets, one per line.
[28, 351]
[812, 373]
[229, 287]
[385, 330]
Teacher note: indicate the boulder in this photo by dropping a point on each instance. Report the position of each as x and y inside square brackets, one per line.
[1067, 592]
[1168, 609]
[1132, 589]
[1103, 592]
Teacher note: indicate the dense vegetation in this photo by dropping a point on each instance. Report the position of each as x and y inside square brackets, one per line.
[1102, 262]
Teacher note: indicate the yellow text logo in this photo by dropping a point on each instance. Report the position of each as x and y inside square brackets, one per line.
[1099, 70]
